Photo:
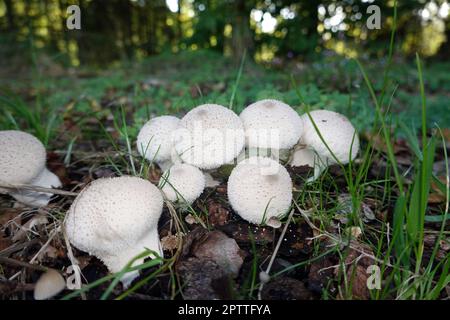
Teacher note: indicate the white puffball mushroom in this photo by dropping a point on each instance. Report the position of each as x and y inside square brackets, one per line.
[182, 183]
[22, 161]
[260, 189]
[338, 133]
[154, 141]
[115, 219]
[209, 136]
[271, 124]
[45, 179]
[49, 285]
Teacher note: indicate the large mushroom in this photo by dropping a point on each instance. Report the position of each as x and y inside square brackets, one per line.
[260, 189]
[182, 183]
[154, 141]
[22, 162]
[337, 132]
[209, 136]
[271, 127]
[116, 219]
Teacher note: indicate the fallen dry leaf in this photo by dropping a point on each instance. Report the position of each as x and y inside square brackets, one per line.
[429, 244]
[356, 263]
[379, 143]
[436, 195]
[446, 134]
[435, 198]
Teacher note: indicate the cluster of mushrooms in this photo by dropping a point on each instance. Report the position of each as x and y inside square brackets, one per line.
[115, 219]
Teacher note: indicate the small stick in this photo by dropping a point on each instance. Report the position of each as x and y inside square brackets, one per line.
[18, 263]
[264, 275]
[50, 238]
[14, 287]
[37, 189]
[17, 247]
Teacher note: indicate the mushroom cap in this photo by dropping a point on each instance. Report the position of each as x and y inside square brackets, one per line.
[22, 157]
[336, 130]
[271, 124]
[259, 189]
[209, 136]
[183, 183]
[49, 285]
[154, 141]
[115, 219]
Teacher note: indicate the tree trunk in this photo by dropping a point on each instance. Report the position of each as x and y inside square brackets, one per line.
[10, 15]
[65, 34]
[444, 50]
[242, 38]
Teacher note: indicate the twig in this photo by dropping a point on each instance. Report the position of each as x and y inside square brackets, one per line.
[18, 263]
[50, 238]
[14, 248]
[37, 189]
[10, 287]
[264, 275]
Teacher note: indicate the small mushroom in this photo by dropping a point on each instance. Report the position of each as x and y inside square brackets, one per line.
[271, 128]
[260, 189]
[154, 141]
[22, 161]
[182, 183]
[49, 285]
[209, 136]
[338, 133]
[115, 219]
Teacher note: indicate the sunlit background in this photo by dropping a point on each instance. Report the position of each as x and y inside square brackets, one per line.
[120, 30]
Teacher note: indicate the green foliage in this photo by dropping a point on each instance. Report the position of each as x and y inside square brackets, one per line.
[40, 120]
[126, 30]
[176, 83]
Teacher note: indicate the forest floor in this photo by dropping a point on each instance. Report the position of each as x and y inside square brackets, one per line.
[343, 223]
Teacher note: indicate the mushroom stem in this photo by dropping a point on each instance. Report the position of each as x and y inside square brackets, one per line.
[116, 263]
[308, 157]
[45, 179]
[165, 165]
[276, 154]
[210, 181]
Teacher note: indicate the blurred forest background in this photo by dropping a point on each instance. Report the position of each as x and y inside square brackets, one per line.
[127, 29]
[159, 56]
